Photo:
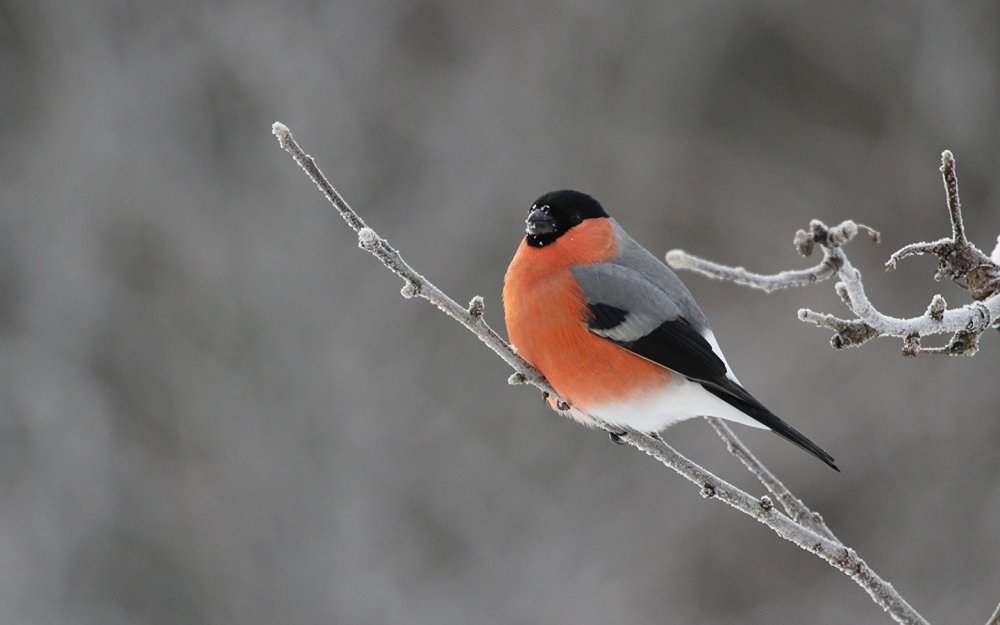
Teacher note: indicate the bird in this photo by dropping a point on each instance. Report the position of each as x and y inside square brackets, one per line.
[614, 330]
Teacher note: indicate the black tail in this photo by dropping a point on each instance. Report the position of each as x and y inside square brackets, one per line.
[736, 396]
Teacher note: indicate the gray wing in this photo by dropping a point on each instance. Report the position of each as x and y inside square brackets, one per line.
[645, 305]
[655, 272]
[627, 308]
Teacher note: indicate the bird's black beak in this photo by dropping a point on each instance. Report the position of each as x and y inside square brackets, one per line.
[539, 221]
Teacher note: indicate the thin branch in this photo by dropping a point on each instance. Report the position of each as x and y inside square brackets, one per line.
[767, 283]
[849, 333]
[951, 191]
[793, 506]
[933, 248]
[414, 284]
[995, 619]
[842, 558]
[958, 260]
[829, 240]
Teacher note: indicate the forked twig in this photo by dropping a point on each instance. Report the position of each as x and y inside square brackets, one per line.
[793, 506]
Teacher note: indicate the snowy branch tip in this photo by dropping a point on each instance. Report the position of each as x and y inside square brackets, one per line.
[283, 134]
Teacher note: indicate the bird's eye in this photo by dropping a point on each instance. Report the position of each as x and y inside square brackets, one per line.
[575, 219]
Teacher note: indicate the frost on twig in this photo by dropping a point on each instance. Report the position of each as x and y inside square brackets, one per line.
[793, 506]
[958, 260]
[805, 242]
[995, 619]
[799, 526]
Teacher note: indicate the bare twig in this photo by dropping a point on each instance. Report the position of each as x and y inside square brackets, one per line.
[832, 551]
[414, 284]
[829, 549]
[793, 506]
[829, 239]
[951, 190]
[768, 283]
[995, 619]
[958, 260]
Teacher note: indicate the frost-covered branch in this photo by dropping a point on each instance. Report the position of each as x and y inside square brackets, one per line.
[843, 558]
[809, 534]
[829, 239]
[793, 506]
[958, 260]
[995, 619]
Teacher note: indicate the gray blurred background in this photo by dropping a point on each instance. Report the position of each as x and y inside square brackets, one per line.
[215, 409]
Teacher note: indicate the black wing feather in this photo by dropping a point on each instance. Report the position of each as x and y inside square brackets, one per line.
[606, 316]
[676, 345]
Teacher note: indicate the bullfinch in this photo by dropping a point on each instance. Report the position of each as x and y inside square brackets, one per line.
[615, 331]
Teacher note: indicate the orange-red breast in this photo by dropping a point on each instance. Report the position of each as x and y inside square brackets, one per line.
[614, 330]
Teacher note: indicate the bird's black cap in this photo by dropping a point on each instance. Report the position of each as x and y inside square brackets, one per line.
[556, 212]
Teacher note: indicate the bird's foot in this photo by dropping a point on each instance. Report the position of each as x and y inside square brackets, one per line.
[555, 404]
[617, 438]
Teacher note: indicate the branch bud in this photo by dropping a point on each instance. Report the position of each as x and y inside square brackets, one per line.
[679, 259]
[409, 290]
[841, 290]
[937, 307]
[964, 343]
[875, 235]
[368, 239]
[284, 135]
[476, 306]
[841, 234]
[804, 243]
